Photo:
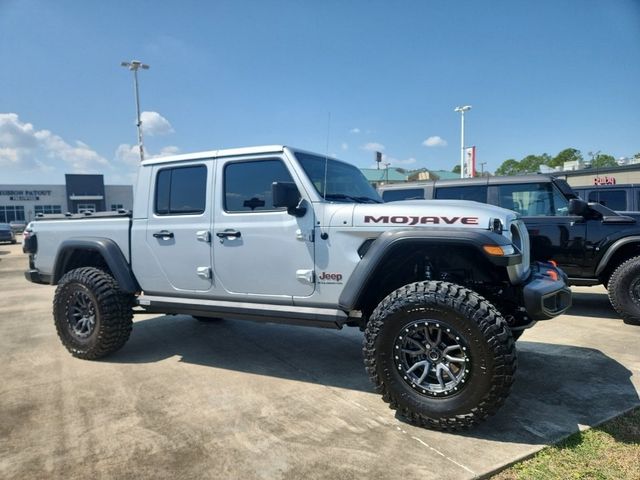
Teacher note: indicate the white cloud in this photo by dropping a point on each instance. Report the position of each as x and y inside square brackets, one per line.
[155, 124]
[344, 146]
[24, 147]
[354, 130]
[435, 141]
[130, 154]
[373, 147]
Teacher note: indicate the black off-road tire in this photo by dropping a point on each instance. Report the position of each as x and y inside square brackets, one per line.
[516, 334]
[112, 316]
[490, 350]
[624, 290]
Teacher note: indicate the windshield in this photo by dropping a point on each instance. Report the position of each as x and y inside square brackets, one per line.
[345, 183]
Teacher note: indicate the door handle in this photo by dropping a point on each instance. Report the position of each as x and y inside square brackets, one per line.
[164, 234]
[228, 233]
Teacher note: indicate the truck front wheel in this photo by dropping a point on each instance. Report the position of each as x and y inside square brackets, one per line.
[93, 316]
[624, 290]
[440, 354]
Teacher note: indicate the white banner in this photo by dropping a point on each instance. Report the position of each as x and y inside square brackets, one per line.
[469, 162]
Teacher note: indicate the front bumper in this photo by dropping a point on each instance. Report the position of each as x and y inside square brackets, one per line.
[545, 293]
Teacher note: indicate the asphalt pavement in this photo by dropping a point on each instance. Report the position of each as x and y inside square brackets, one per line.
[236, 399]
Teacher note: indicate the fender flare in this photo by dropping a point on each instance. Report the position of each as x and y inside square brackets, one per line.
[364, 273]
[107, 249]
[602, 264]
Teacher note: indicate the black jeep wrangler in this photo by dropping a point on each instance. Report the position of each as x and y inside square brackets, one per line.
[593, 244]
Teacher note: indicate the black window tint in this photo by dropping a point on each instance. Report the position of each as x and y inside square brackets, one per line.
[476, 193]
[181, 191]
[613, 199]
[247, 185]
[403, 194]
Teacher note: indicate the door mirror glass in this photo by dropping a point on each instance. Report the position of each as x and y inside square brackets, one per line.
[577, 206]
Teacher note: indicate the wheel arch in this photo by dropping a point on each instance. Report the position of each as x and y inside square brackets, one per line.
[620, 251]
[101, 253]
[393, 249]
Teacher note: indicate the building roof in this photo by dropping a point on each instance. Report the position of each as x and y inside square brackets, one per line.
[375, 175]
[445, 174]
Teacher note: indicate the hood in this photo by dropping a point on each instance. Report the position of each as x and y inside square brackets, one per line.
[424, 213]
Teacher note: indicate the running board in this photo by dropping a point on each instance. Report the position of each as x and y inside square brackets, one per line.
[258, 312]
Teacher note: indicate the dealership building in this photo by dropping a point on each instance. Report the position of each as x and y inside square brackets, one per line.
[79, 194]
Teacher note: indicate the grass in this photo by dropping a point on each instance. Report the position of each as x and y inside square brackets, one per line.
[609, 451]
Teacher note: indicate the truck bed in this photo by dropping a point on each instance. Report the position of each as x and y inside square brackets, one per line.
[52, 230]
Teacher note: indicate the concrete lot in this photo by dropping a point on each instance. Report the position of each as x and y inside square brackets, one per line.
[242, 400]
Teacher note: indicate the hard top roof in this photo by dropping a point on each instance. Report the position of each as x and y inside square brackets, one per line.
[228, 152]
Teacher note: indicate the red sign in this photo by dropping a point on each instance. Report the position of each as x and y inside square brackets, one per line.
[604, 181]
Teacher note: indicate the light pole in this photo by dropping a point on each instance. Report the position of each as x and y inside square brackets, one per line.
[462, 110]
[134, 66]
[482, 164]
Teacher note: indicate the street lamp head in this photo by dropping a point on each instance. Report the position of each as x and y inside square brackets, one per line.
[463, 108]
[134, 65]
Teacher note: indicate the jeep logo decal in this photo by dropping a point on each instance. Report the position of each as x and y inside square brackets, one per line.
[398, 219]
[326, 277]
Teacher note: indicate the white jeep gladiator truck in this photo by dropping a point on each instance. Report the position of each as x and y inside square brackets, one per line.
[441, 288]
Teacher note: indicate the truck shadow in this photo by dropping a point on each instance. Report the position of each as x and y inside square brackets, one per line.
[596, 304]
[557, 388]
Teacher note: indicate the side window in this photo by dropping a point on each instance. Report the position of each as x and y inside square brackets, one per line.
[403, 194]
[533, 199]
[613, 199]
[476, 193]
[181, 190]
[247, 185]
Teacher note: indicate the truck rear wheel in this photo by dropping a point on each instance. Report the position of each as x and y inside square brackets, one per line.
[93, 317]
[440, 354]
[624, 290]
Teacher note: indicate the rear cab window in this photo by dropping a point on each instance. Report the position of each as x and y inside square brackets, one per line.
[475, 193]
[181, 190]
[403, 194]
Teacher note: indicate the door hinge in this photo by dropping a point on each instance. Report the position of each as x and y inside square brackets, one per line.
[203, 236]
[204, 272]
[306, 276]
[300, 235]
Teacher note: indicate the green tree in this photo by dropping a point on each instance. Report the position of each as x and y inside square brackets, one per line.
[602, 160]
[456, 169]
[509, 167]
[566, 155]
[531, 163]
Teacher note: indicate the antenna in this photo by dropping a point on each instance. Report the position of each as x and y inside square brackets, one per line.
[325, 235]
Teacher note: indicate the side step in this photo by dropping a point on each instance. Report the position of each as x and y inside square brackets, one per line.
[258, 312]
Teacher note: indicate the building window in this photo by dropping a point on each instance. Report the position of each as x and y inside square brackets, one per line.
[9, 213]
[47, 209]
[117, 206]
[613, 199]
[86, 208]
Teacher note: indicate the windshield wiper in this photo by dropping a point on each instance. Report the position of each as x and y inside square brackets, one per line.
[342, 196]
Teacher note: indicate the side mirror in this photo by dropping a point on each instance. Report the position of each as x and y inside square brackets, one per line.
[578, 207]
[286, 194]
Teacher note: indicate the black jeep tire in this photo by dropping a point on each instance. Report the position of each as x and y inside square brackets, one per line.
[624, 290]
[462, 317]
[207, 319]
[93, 316]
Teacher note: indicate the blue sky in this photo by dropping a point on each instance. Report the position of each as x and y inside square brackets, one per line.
[541, 76]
